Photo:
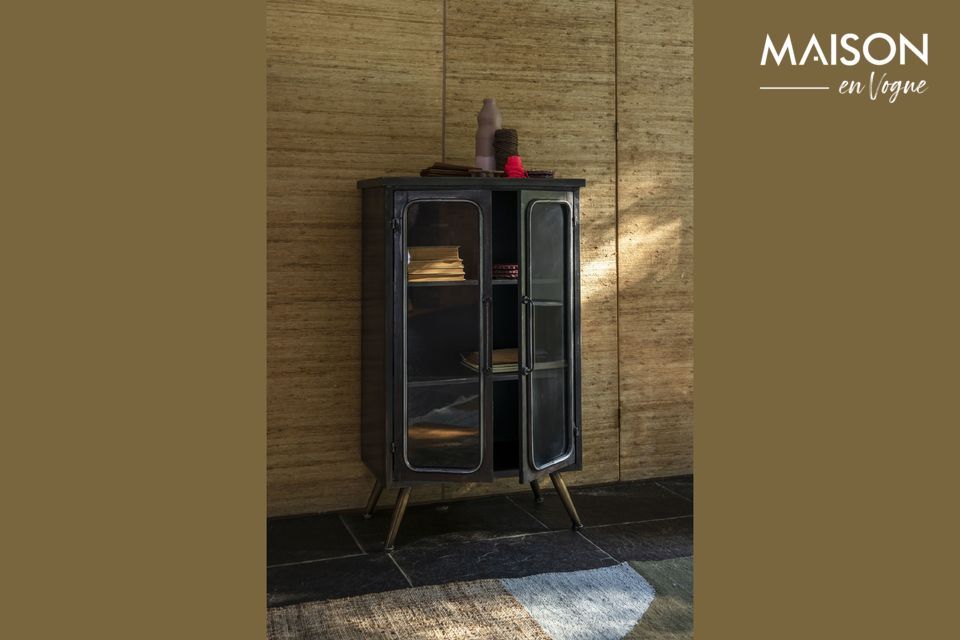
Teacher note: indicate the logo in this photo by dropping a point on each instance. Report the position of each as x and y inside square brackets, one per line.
[878, 50]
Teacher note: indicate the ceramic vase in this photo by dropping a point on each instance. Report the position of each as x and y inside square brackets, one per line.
[488, 121]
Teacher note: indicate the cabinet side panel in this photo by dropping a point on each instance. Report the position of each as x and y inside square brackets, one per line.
[373, 334]
[577, 343]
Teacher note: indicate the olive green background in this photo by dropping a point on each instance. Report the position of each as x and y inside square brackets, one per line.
[133, 358]
[134, 351]
[826, 315]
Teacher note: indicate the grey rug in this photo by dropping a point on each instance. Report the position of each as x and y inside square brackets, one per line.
[636, 600]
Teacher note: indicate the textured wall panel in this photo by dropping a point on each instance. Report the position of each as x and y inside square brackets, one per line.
[550, 65]
[655, 209]
[353, 91]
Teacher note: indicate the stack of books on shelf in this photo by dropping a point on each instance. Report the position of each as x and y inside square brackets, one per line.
[434, 264]
[503, 360]
[506, 271]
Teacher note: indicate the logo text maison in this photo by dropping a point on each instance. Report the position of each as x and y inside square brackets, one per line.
[847, 49]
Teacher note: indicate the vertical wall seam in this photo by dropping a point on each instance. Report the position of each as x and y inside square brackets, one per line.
[443, 132]
[443, 86]
[616, 213]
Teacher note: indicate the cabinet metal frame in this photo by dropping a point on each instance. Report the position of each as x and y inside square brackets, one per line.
[529, 469]
[403, 470]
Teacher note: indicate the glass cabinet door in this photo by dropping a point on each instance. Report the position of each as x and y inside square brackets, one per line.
[444, 349]
[547, 323]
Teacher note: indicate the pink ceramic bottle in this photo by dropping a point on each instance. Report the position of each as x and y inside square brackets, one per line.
[488, 121]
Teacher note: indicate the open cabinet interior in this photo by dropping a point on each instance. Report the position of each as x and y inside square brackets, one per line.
[505, 249]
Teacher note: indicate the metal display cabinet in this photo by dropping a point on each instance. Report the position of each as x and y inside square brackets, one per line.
[472, 379]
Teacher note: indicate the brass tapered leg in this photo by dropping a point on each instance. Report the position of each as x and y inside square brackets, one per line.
[372, 500]
[565, 499]
[537, 496]
[398, 510]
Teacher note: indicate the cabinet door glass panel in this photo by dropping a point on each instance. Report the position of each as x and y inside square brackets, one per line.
[548, 246]
[548, 337]
[443, 340]
[443, 426]
[549, 346]
[548, 403]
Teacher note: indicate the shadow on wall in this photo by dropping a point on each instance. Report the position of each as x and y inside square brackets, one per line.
[656, 340]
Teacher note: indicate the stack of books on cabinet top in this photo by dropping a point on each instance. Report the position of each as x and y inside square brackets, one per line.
[434, 264]
[502, 360]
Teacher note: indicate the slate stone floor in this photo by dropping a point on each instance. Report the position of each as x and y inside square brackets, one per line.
[335, 555]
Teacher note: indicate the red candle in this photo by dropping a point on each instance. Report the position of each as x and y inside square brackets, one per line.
[514, 167]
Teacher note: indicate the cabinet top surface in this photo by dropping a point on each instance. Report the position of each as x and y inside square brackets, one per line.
[498, 184]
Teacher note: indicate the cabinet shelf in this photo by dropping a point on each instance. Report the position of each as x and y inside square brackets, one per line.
[455, 283]
[435, 381]
[510, 376]
[445, 371]
[541, 366]
[442, 283]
